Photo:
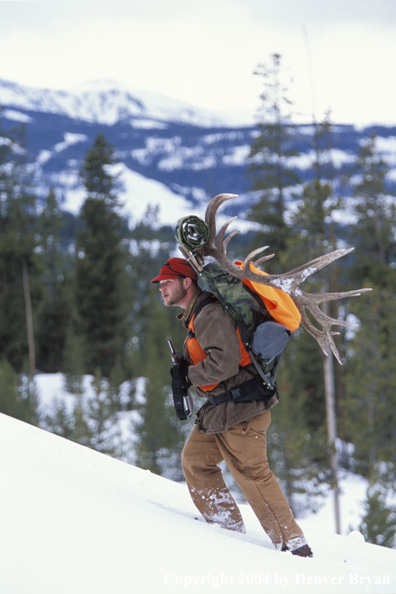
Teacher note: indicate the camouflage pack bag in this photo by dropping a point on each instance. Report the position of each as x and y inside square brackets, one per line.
[265, 338]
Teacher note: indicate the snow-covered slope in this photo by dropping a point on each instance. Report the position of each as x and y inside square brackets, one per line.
[106, 102]
[77, 522]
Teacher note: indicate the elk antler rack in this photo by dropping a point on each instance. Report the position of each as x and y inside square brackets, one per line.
[289, 282]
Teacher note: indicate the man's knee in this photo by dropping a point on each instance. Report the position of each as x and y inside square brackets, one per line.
[186, 458]
[191, 456]
[201, 455]
[193, 459]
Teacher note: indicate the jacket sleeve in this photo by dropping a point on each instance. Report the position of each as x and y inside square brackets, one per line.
[216, 334]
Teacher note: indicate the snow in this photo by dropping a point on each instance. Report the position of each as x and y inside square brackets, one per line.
[239, 156]
[106, 102]
[70, 138]
[78, 522]
[335, 156]
[17, 116]
[43, 157]
[139, 191]
[136, 194]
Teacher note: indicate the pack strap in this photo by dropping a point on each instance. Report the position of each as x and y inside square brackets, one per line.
[200, 306]
[250, 390]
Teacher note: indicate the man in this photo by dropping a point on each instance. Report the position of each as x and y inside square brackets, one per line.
[216, 364]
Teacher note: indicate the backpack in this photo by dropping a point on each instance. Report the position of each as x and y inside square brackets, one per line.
[265, 316]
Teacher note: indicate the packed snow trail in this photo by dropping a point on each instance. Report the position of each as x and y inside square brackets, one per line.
[78, 522]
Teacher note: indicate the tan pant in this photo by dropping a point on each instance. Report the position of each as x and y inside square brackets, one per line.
[243, 447]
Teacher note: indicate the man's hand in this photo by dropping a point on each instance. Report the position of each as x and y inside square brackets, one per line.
[180, 384]
[179, 371]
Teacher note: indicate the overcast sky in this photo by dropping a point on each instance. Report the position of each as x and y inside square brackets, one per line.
[339, 55]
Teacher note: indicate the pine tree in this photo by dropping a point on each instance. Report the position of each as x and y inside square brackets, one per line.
[370, 418]
[90, 420]
[10, 397]
[273, 178]
[297, 442]
[379, 521]
[375, 211]
[19, 288]
[55, 308]
[102, 291]
[370, 377]
[73, 360]
[159, 434]
[18, 395]
[82, 432]
[299, 424]
[146, 257]
[313, 235]
[102, 420]
[59, 420]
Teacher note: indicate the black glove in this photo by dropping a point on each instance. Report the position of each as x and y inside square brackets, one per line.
[180, 385]
[179, 372]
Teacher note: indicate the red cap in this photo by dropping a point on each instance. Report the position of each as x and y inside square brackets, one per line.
[176, 268]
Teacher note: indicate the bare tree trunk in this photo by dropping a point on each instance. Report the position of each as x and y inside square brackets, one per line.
[29, 318]
[328, 366]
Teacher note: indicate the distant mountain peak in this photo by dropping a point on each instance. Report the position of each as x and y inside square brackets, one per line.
[106, 101]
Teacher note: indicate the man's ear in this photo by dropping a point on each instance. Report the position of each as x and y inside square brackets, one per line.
[187, 282]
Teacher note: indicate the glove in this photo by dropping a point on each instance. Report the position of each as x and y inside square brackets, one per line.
[179, 372]
[180, 385]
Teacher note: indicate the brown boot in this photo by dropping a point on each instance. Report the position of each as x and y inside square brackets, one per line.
[304, 551]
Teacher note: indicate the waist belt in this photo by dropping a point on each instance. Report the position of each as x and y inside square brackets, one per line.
[253, 389]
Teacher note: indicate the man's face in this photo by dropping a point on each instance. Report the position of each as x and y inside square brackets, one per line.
[172, 291]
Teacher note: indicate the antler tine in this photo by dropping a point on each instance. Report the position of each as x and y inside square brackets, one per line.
[210, 214]
[325, 335]
[263, 259]
[222, 232]
[321, 297]
[324, 338]
[250, 259]
[288, 282]
[228, 239]
[312, 266]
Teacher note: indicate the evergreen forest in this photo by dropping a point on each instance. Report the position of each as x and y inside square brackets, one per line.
[76, 299]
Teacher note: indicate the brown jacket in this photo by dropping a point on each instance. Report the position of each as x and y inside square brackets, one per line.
[216, 334]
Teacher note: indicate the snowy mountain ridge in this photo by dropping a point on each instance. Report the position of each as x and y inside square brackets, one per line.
[78, 522]
[170, 154]
[107, 102]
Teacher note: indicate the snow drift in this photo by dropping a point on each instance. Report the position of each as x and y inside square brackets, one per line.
[78, 522]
